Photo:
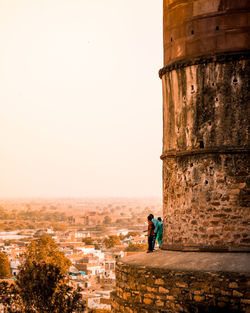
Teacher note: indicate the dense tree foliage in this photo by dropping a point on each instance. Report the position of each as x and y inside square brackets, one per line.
[4, 266]
[111, 241]
[42, 285]
[33, 215]
[25, 218]
[45, 250]
[136, 247]
[40, 288]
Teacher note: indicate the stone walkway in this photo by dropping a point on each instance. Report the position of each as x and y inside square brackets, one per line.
[191, 261]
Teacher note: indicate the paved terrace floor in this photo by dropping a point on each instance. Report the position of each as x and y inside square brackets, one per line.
[191, 261]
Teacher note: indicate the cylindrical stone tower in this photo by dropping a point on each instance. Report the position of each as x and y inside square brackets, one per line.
[205, 168]
[205, 141]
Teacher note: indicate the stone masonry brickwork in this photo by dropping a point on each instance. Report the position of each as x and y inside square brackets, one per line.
[214, 213]
[206, 156]
[204, 27]
[148, 290]
[206, 125]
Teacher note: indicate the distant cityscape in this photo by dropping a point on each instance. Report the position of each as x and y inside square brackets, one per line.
[92, 233]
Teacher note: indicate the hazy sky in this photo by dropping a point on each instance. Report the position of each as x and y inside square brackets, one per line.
[80, 98]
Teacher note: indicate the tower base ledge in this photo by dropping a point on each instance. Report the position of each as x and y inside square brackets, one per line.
[170, 281]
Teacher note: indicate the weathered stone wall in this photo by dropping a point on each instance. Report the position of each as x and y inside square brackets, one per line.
[204, 27]
[148, 289]
[213, 214]
[206, 155]
[207, 103]
[205, 168]
[206, 124]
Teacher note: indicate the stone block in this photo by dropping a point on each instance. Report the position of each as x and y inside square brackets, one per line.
[237, 293]
[159, 281]
[159, 303]
[176, 291]
[147, 301]
[198, 292]
[226, 293]
[163, 290]
[221, 304]
[149, 295]
[150, 289]
[233, 285]
[199, 298]
[171, 298]
[181, 285]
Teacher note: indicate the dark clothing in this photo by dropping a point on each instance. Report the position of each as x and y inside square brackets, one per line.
[154, 239]
[151, 228]
[150, 243]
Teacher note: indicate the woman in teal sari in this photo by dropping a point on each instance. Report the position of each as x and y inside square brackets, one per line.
[160, 231]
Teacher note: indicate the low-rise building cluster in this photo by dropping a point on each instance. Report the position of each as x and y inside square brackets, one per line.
[92, 265]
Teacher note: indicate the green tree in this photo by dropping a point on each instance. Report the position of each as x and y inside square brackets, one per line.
[136, 247]
[45, 250]
[111, 241]
[4, 266]
[10, 299]
[41, 288]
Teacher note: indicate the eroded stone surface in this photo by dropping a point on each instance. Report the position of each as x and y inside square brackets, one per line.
[208, 103]
[149, 283]
[202, 27]
[190, 261]
[206, 157]
[205, 167]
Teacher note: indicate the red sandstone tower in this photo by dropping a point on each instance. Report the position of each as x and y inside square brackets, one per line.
[206, 119]
[204, 263]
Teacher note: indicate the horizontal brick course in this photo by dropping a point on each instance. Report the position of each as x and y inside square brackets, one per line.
[172, 291]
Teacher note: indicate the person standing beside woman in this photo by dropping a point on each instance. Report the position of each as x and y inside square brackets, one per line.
[151, 228]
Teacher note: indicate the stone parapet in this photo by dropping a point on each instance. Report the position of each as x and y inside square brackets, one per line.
[168, 281]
